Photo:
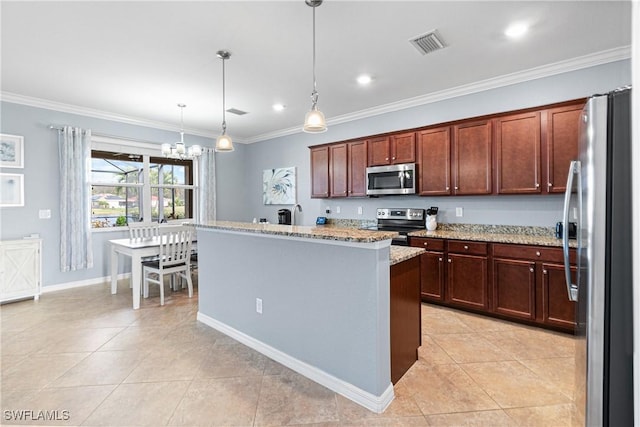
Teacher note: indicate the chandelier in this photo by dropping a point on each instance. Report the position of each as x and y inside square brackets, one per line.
[178, 150]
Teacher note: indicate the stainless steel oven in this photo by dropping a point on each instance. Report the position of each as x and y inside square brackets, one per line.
[402, 220]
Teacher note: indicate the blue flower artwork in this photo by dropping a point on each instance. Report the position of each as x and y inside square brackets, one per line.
[279, 186]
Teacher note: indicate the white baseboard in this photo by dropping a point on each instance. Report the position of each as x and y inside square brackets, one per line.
[363, 398]
[81, 283]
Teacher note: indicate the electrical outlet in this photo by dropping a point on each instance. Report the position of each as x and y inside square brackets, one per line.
[337, 209]
[359, 210]
[575, 213]
[259, 305]
[458, 211]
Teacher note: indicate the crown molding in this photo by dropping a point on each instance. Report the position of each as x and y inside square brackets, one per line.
[548, 70]
[574, 64]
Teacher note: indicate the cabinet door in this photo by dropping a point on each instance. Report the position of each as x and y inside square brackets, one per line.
[517, 153]
[472, 158]
[432, 276]
[403, 148]
[514, 287]
[379, 151]
[357, 179]
[557, 310]
[467, 281]
[434, 161]
[561, 132]
[20, 269]
[338, 170]
[320, 172]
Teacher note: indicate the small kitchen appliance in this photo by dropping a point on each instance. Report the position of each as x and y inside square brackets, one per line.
[393, 179]
[284, 216]
[432, 222]
[402, 220]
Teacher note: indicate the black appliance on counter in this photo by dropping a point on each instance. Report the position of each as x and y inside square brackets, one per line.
[402, 220]
[284, 216]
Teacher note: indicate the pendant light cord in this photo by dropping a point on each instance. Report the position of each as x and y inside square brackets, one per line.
[224, 117]
[314, 94]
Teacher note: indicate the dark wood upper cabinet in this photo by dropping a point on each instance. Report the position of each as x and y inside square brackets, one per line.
[320, 172]
[434, 161]
[561, 133]
[471, 166]
[394, 149]
[357, 169]
[338, 170]
[517, 153]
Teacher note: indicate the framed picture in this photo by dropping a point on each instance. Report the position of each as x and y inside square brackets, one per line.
[11, 151]
[279, 186]
[11, 189]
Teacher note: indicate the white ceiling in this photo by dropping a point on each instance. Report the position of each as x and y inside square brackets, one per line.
[137, 60]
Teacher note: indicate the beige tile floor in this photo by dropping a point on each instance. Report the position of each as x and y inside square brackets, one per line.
[86, 352]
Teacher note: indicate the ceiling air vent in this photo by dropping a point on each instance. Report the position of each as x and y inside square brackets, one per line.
[236, 111]
[427, 43]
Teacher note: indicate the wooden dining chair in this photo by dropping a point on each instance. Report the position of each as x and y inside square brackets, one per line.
[174, 258]
[143, 230]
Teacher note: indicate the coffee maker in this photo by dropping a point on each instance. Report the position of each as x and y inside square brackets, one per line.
[284, 216]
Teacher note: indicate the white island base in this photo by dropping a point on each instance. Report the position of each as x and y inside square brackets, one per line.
[325, 303]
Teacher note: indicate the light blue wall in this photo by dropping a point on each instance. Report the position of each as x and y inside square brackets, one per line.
[42, 175]
[509, 210]
[239, 174]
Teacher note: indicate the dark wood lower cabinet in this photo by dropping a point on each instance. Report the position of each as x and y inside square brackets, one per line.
[514, 288]
[405, 316]
[467, 281]
[517, 282]
[557, 310]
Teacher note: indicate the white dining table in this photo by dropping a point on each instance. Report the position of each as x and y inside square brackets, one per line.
[136, 249]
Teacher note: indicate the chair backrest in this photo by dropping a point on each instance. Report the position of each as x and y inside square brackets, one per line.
[176, 245]
[143, 230]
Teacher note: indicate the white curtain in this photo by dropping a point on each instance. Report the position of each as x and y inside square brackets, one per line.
[74, 150]
[207, 186]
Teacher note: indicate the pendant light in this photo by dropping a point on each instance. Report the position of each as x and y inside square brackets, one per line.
[314, 121]
[178, 150]
[224, 142]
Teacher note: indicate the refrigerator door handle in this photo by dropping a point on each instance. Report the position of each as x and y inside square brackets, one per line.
[574, 169]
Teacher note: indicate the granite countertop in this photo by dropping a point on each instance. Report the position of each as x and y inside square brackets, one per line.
[496, 234]
[326, 232]
[403, 253]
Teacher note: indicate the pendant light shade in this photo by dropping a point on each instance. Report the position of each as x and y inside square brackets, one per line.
[224, 142]
[314, 121]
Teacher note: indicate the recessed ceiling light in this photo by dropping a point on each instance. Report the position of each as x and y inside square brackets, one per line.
[516, 30]
[364, 79]
[279, 107]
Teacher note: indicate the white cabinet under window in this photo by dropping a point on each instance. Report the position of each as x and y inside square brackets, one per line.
[20, 269]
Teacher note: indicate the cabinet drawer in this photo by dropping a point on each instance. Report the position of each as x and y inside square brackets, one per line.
[464, 247]
[427, 243]
[533, 253]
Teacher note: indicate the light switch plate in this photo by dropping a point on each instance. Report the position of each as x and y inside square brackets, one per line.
[458, 211]
[44, 214]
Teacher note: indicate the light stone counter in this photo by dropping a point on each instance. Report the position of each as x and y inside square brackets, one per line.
[326, 232]
[399, 254]
[539, 236]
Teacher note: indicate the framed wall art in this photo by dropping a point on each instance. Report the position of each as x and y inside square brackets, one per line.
[11, 189]
[279, 186]
[11, 151]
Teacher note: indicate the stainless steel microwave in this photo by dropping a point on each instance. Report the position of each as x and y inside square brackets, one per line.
[393, 179]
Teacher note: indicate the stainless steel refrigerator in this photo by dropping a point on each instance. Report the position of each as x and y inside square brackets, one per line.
[599, 192]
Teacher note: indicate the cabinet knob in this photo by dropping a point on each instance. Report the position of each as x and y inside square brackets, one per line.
[456, 187]
[426, 243]
[549, 184]
[393, 158]
[447, 188]
[537, 184]
[386, 158]
[537, 253]
[449, 260]
[531, 269]
[466, 247]
[440, 259]
[544, 271]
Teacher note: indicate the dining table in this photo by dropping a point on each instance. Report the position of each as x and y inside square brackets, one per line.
[136, 249]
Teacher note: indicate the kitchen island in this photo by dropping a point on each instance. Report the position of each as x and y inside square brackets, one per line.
[316, 299]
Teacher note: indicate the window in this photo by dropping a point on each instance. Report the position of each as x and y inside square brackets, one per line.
[131, 187]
